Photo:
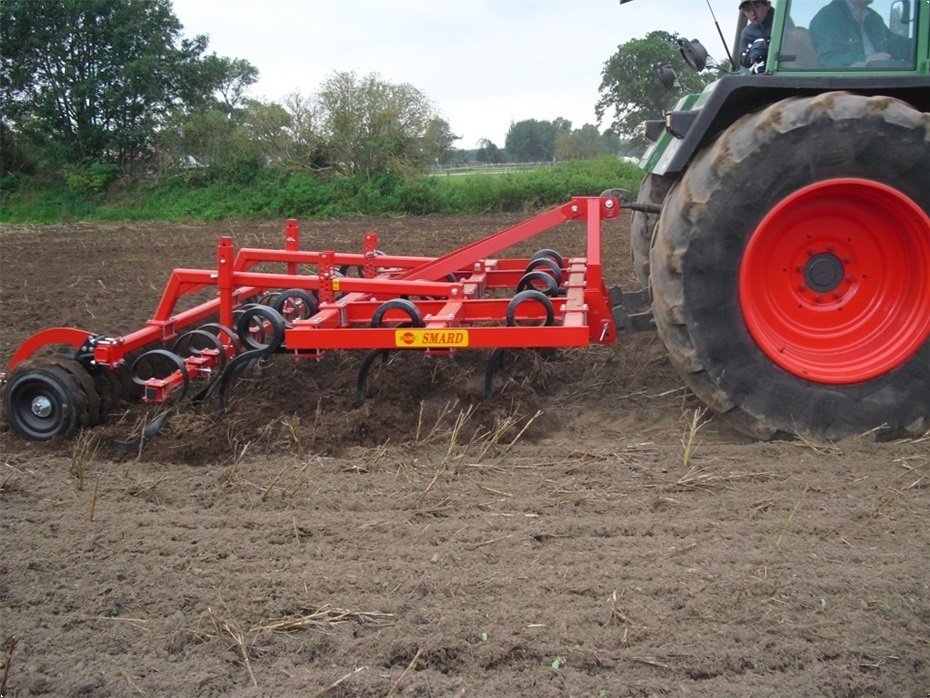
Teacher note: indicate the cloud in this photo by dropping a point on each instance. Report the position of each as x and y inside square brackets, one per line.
[483, 63]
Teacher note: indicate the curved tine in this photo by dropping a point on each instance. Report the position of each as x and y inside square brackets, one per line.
[173, 358]
[233, 369]
[185, 343]
[261, 351]
[361, 383]
[218, 329]
[494, 363]
[151, 429]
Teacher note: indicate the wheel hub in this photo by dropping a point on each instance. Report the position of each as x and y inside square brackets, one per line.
[41, 406]
[833, 282]
[824, 272]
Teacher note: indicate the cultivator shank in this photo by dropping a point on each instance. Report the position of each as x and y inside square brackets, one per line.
[212, 323]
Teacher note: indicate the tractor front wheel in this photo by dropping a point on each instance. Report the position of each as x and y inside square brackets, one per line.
[791, 269]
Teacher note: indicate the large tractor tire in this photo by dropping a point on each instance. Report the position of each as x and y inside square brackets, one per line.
[652, 190]
[791, 269]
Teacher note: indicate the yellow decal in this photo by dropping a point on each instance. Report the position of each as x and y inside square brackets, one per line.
[435, 339]
[336, 284]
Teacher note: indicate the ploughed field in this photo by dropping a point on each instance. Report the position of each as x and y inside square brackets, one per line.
[589, 531]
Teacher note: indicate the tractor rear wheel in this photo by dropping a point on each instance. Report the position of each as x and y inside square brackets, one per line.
[791, 269]
[652, 190]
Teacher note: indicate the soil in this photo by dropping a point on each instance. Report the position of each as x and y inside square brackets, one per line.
[589, 531]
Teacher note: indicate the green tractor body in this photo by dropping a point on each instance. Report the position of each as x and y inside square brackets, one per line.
[790, 264]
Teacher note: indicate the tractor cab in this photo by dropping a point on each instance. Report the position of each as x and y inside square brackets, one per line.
[829, 37]
[816, 46]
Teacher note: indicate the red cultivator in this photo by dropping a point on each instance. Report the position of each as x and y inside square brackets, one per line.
[261, 301]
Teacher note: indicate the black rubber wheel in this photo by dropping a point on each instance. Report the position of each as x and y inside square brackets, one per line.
[540, 281]
[91, 415]
[260, 327]
[406, 306]
[547, 265]
[724, 290]
[652, 190]
[295, 304]
[549, 254]
[42, 403]
[529, 296]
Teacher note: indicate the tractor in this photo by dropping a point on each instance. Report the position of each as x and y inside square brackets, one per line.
[784, 233]
[781, 237]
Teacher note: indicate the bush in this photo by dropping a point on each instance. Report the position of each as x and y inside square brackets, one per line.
[35, 201]
[296, 195]
[418, 197]
[278, 193]
[90, 179]
[13, 182]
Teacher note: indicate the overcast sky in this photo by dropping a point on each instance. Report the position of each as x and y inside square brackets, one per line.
[483, 63]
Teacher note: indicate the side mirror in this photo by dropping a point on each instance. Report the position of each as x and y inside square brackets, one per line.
[666, 76]
[900, 18]
[905, 11]
[694, 53]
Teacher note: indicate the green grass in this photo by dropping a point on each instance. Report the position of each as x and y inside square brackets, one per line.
[277, 194]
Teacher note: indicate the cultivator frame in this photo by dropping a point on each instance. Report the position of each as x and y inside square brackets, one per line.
[466, 299]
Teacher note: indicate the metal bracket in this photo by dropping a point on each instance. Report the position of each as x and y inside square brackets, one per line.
[632, 310]
[633, 322]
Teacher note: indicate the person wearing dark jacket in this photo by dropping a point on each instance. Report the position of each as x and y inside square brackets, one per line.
[850, 33]
[755, 37]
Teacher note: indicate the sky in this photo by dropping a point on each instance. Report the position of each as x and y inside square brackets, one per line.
[483, 64]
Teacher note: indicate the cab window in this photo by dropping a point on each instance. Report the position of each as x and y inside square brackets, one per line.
[849, 35]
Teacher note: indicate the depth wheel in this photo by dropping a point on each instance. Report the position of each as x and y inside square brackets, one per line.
[91, 414]
[42, 403]
[796, 298]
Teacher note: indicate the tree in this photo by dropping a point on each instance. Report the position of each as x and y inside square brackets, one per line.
[534, 141]
[221, 81]
[304, 146]
[94, 79]
[630, 87]
[489, 153]
[370, 126]
[582, 144]
[12, 157]
[267, 126]
[436, 143]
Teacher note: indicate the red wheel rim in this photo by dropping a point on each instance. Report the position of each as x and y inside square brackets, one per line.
[834, 284]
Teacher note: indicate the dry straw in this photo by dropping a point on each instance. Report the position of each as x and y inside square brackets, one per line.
[325, 618]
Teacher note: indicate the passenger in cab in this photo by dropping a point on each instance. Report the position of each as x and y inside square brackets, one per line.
[848, 33]
[755, 37]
